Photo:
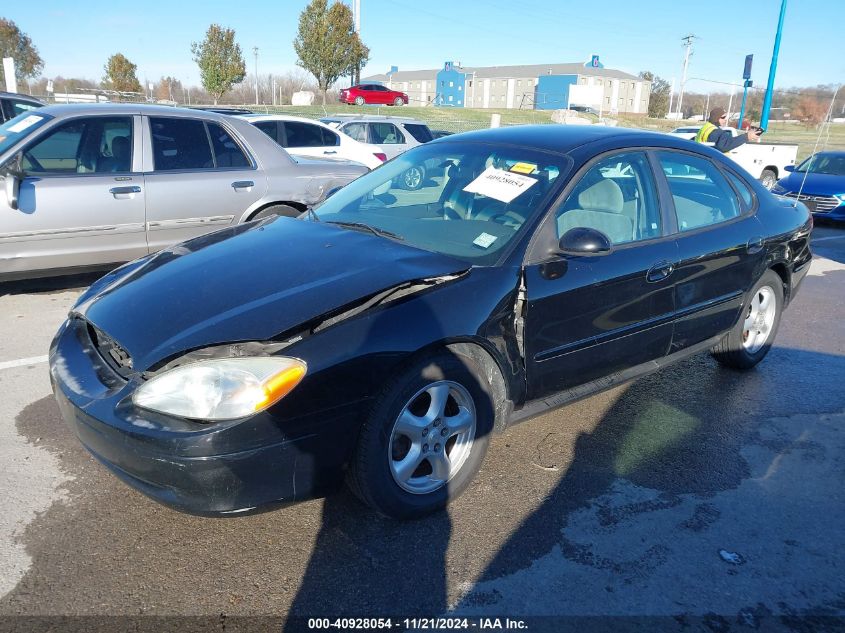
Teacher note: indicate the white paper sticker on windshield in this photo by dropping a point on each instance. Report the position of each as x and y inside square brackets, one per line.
[20, 126]
[485, 240]
[501, 185]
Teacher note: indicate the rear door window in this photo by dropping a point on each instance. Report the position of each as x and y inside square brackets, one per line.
[180, 144]
[358, 131]
[419, 132]
[227, 152]
[300, 134]
[386, 134]
[269, 128]
[701, 194]
[330, 139]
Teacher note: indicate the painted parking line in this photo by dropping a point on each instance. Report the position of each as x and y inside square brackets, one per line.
[34, 360]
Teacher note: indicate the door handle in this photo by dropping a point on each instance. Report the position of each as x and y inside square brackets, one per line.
[332, 152]
[754, 245]
[242, 184]
[129, 189]
[660, 271]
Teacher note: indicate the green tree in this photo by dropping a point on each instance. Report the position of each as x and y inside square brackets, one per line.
[658, 101]
[326, 43]
[120, 75]
[220, 60]
[17, 45]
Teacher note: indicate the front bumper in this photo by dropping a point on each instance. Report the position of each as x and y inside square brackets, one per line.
[203, 469]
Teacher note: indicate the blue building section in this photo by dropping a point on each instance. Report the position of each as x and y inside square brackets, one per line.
[450, 87]
[552, 91]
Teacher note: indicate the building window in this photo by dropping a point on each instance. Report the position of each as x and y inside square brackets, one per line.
[460, 88]
[598, 82]
[530, 82]
[450, 98]
[607, 100]
[470, 83]
[631, 103]
[451, 84]
[519, 82]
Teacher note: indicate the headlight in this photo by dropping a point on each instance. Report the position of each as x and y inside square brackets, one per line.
[222, 389]
[840, 197]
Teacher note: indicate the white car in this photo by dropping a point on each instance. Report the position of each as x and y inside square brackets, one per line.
[306, 137]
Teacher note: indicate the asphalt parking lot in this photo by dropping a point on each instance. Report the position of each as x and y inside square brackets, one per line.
[693, 499]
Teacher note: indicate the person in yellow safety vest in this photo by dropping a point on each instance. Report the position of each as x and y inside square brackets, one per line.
[723, 140]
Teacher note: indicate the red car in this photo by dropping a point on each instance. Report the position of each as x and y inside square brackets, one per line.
[372, 93]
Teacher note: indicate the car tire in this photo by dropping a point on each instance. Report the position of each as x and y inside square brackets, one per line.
[436, 415]
[359, 101]
[752, 337]
[768, 178]
[398, 101]
[412, 178]
[284, 210]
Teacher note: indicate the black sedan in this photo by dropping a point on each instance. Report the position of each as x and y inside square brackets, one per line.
[381, 338]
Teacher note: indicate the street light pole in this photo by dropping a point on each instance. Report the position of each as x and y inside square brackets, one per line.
[767, 102]
[255, 50]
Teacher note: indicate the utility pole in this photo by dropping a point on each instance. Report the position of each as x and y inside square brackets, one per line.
[688, 43]
[356, 22]
[671, 95]
[255, 50]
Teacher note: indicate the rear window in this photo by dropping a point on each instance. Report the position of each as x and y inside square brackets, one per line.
[419, 132]
[180, 144]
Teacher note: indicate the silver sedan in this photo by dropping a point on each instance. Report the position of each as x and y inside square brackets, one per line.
[96, 185]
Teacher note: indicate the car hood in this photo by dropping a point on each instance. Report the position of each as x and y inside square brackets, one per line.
[816, 184]
[250, 282]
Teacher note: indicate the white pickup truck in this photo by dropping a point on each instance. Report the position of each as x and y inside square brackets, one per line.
[765, 161]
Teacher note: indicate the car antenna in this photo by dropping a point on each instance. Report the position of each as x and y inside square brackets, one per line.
[825, 125]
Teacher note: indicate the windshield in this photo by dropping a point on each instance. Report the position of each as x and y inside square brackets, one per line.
[826, 164]
[20, 127]
[460, 199]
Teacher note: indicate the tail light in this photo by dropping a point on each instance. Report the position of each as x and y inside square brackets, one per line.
[380, 156]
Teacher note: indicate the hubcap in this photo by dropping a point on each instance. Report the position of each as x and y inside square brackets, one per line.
[759, 319]
[413, 177]
[432, 437]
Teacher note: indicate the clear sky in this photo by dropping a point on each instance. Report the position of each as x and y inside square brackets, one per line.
[75, 39]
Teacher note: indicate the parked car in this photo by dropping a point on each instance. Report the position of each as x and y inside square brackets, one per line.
[688, 132]
[372, 94]
[96, 185]
[382, 338]
[393, 134]
[222, 110]
[765, 161]
[305, 137]
[12, 104]
[818, 182]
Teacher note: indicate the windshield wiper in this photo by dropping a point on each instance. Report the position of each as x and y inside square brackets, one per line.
[312, 215]
[367, 227]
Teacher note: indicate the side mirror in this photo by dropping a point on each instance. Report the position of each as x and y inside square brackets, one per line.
[789, 168]
[585, 241]
[12, 172]
[13, 187]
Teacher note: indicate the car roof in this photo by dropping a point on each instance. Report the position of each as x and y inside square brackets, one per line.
[279, 117]
[370, 117]
[18, 95]
[62, 110]
[562, 139]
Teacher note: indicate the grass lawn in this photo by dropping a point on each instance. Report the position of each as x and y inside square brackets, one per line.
[466, 119]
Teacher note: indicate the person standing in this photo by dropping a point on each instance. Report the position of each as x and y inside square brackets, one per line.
[723, 140]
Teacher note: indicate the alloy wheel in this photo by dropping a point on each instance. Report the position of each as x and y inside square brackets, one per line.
[759, 319]
[432, 437]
